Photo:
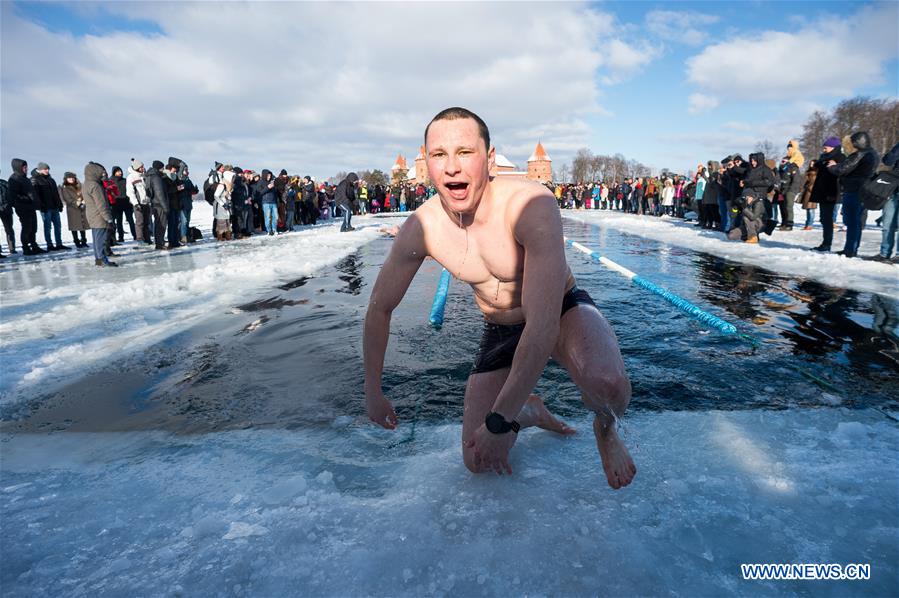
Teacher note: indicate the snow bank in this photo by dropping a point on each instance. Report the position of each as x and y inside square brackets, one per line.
[62, 316]
[786, 252]
[346, 511]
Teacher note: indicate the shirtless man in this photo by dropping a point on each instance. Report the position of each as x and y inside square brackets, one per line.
[504, 238]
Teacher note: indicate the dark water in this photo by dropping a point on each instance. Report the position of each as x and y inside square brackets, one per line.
[292, 357]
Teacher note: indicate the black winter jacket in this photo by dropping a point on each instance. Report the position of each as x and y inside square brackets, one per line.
[826, 188]
[761, 178]
[21, 191]
[262, 192]
[156, 189]
[858, 166]
[46, 192]
[346, 191]
[186, 191]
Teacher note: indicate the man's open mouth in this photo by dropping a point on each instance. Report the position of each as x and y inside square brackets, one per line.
[457, 190]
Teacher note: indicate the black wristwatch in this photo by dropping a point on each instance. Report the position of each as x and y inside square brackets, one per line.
[497, 424]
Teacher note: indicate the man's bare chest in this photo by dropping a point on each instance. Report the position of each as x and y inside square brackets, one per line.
[478, 255]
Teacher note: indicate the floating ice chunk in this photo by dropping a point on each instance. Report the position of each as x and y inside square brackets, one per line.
[239, 529]
[831, 399]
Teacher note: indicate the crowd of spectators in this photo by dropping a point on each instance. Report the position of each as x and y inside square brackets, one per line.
[741, 198]
[744, 198]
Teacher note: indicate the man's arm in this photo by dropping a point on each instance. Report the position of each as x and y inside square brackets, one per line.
[539, 230]
[406, 256]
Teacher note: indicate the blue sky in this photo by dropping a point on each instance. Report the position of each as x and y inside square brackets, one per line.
[320, 88]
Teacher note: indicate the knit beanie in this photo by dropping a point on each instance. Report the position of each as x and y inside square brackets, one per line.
[42, 166]
[832, 142]
[136, 165]
[157, 165]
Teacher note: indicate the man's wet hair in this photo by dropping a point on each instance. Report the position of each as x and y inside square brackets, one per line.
[456, 113]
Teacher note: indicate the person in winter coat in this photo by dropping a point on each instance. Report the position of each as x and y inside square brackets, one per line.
[49, 203]
[6, 212]
[309, 201]
[790, 183]
[221, 208]
[708, 201]
[852, 173]
[806, 195]
[159, 201]
[668, 197]
[760, 179]
[826, 190]
[186, 190]
[753, 217]
[268, 197]
[890, 220]
[22, 197]
[75, 211]
[173, 192]
[122, 210]
[97, 210]
[241, 206]
[136, 190]
[345, 195]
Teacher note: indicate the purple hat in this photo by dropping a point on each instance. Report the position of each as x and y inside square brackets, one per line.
[832, 142]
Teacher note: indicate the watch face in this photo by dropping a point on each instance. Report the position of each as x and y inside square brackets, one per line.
[494, 423]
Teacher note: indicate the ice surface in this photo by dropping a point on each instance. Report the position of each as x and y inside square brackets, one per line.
[336, 511]
[786, 252]
[62, 316]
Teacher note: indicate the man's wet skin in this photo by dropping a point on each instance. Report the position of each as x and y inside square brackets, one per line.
[481, 230]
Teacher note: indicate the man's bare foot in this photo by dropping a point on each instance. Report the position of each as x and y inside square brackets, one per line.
[535, 413]
[616, 461]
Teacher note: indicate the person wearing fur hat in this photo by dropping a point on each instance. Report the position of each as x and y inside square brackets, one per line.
[136, 189]
[852, 173]
[74, 202]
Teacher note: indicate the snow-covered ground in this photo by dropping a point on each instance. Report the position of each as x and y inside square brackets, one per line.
[785, 251]
[61, 316]
[344, 511]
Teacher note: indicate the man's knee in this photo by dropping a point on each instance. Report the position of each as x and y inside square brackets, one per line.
[606, 389]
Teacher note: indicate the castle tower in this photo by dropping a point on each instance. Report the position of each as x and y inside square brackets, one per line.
[540, 166]
[399, 170]
[421, 168]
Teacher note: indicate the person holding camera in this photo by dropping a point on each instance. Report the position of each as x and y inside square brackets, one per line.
[753, 217]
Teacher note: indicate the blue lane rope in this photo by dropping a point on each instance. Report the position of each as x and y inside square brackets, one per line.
[439, 305]
[679, 302]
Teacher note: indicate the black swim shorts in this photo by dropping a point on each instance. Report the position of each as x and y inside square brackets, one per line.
[498, 342]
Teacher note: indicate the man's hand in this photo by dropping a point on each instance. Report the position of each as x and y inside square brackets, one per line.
[832, 163]
[491, 451]
[380, 410]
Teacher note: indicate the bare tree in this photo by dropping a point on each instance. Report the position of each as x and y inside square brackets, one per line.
[768, 148]
[580, 166]
[879, 117]
[815, 130]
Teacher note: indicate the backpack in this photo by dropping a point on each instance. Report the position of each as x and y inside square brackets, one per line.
[209, 192]
[876, 191]
[112, 191]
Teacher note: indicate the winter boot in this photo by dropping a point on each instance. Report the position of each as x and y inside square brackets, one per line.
[11, 241]
[36, 249]
[754, 240]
